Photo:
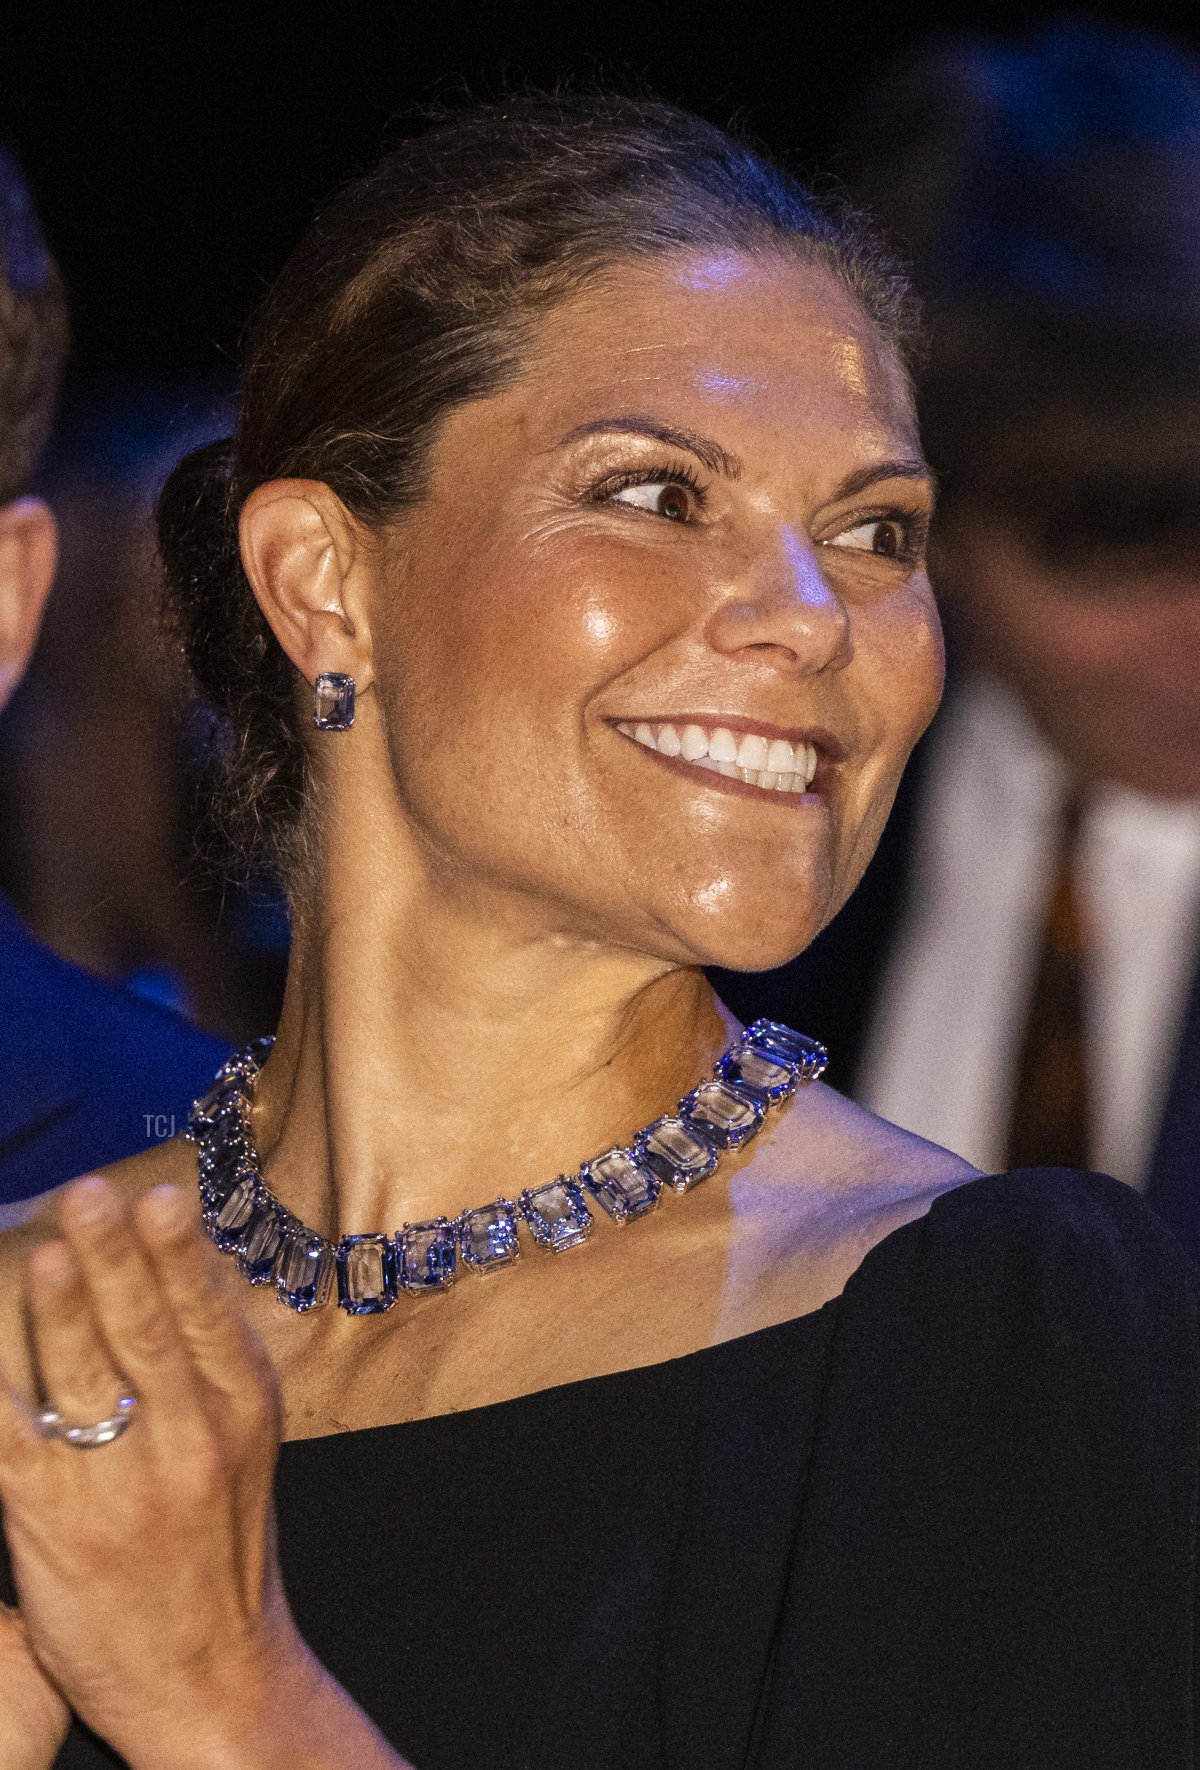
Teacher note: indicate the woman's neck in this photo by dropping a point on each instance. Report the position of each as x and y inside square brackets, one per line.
[430, 1057]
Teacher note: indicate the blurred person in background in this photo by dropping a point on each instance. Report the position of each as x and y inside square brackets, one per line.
[64, 1034]
[105, 837]
[1017, 976]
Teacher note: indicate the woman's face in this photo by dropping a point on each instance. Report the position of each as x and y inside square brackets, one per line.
[677, 561]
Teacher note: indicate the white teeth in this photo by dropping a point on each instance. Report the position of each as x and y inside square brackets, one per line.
[752, 752]
[773, 765]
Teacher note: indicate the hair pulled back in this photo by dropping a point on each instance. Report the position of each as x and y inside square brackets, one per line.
[414, 292]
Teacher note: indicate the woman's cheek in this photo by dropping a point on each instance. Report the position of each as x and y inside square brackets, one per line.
[913, 659]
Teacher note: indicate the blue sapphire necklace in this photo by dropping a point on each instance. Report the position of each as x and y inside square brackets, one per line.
[761, 1068]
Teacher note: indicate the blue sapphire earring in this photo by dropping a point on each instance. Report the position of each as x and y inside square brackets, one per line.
[333, 701]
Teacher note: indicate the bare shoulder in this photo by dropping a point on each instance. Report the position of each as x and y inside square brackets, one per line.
[826, 1182]
[30, 1221]
[827, 1134]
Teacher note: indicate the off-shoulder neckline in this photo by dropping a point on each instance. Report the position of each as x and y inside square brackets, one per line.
[875, 1255]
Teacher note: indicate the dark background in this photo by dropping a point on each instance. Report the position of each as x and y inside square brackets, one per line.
[176, 151]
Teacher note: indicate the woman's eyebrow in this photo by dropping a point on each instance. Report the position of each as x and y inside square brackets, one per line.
[904, 467]
[713, 456]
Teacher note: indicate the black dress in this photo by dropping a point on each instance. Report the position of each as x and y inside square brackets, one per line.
[948, 1520]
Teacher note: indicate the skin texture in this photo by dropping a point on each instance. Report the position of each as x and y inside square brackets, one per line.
[1103, 654]
[496, 964]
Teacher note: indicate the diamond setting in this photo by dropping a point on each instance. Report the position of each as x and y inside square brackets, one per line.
[760, 1069]
[756, 1070]
[809, 1055]
[304, 1269]
[677, 1153]
[234, 1212]
[222, 1156]
[260, 1242]
[727, 1117]
[333, 701]
[624, 1186]
[557, 1214]
[487, 1237]
[213, 1102]
[366, 1274]
[427, 1255]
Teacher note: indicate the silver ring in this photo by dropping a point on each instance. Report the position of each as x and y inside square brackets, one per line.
[51, 1424]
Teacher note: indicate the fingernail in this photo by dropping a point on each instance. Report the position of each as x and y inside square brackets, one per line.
[92, 1201]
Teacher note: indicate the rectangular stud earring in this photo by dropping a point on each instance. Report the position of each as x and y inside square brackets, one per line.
[333, 701]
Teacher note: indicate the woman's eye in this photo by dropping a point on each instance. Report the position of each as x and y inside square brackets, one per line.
[886, 536]
[661, 497]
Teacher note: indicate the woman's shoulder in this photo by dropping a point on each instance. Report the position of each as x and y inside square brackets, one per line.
[1050, 1267]
[882, 1211]
[1063, 1226]
[827, 1182]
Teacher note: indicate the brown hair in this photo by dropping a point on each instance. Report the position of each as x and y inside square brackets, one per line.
[33, 333]
[415, 291]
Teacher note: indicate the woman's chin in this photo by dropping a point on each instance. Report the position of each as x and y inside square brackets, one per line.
[760, 945]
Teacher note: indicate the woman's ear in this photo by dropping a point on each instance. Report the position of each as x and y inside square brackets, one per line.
[307, 562]
[28, 556]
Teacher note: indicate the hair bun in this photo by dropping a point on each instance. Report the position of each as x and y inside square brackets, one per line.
[198, 543]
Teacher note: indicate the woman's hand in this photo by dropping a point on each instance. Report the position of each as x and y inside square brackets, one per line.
[33, 1716]
[146, 1567]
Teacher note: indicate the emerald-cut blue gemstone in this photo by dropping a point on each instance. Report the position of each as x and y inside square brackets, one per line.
[760, 1072]
[809, 1055]
[725, 1116]
[211, 1104]
[260, 1242]
[678, 1153]
[366, 1274]
[222, 1154]
[625, 1187]
[557, 1215]
[487, 1237]
[427, 1255]
[304, 1271]
[230, 1218]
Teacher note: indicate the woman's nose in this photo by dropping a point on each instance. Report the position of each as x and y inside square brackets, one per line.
[782, 603]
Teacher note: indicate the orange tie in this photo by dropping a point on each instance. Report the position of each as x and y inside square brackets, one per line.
[1049, 1123]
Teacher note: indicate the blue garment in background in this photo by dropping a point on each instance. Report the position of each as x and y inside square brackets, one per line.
[89, 1072]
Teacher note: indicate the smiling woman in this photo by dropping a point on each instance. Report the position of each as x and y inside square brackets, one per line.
[563, 594]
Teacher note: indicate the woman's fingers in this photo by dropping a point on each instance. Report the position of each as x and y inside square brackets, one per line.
[196, 1284]
[76, 1372]
[132, 1316]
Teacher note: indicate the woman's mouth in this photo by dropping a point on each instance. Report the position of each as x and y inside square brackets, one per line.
[753, 758]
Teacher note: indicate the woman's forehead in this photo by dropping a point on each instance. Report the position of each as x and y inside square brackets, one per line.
[765, 344]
